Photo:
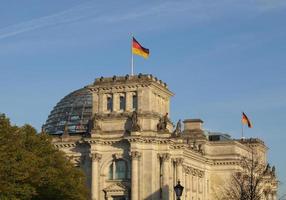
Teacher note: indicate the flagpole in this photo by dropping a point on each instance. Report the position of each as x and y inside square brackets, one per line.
[242, 136]
[132, 59]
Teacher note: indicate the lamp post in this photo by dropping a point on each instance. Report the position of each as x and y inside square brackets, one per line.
[178, 190]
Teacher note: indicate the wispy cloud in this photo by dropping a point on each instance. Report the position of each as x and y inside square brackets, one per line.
[184, 10]
[67, 16]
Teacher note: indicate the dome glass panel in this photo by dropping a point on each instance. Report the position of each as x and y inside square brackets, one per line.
[74, 110]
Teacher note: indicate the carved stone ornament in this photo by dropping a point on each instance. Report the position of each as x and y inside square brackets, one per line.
[193, 171]
[164, 156]
[179, 161]
[76, 160]
[116, 156]
[163, 122]
[94, 123]
[178, 129]
[96, 157]
[134, 122]
[116, 189]
[135, 155]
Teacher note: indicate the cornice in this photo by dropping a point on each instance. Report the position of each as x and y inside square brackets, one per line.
[234, 162]
[193, 171]
[116, 87]
[61, 145]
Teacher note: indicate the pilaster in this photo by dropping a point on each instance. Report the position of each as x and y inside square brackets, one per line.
[165, 161]
[135, 156]
[95, 159]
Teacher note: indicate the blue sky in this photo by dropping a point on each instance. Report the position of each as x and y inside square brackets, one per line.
[218, 57]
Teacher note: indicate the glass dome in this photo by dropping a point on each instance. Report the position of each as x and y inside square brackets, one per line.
[74, 110]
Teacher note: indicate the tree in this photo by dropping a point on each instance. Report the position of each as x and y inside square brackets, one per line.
[31, 168]
[252, 182]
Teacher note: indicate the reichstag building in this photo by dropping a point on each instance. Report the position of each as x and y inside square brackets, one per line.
[119, 131]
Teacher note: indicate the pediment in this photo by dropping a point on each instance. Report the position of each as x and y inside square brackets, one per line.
[116, 187]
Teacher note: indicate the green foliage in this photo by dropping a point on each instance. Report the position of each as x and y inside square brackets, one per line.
[31, 168]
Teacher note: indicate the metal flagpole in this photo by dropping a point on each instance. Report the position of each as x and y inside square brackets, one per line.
[132, 59]
[242, 136]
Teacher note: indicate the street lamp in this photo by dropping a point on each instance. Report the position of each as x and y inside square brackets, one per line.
[178, 190]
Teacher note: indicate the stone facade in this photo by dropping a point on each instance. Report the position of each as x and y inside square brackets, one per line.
[133, 151]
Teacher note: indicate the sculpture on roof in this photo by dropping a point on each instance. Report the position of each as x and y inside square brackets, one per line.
[178, 129]
[134, 122]
[163, 122]
[95, 124]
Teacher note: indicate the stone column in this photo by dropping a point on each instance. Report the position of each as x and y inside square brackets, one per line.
[135, 156]
[187, 187]
[165, 190]
[95, 157]
[115, 102]
[179, 169]
[101, 103]
[140, 101]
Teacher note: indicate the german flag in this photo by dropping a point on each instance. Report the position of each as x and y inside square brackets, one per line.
[138, 49]
[245, 120]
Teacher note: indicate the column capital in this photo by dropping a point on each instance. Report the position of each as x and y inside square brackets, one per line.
[179, 161]
[164, 156]
[96, 157]
[135, 155]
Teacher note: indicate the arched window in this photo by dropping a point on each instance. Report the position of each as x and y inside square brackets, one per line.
[118, 170]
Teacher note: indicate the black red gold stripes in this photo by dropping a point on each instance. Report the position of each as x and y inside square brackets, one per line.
[138, 49]
[245, 120]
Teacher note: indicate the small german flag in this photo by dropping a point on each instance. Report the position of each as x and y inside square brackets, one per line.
[138, 49]
[245, 120]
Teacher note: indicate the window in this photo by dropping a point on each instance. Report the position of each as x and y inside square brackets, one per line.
[118, 170]
[109, 103]
[134, 102]
[122, 103]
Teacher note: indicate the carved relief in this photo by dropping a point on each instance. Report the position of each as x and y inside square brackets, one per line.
[94, 123]
[179, 161]
[96, 157]
[178, 129]
[164, 156]
[193, 171]
[163, 122]
[135, 155]
[77, 160]
[134, 122]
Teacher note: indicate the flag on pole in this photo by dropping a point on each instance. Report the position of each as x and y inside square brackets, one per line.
[138, 49]
[245, 120]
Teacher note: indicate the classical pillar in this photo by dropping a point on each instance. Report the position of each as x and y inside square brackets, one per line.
[187, 187]
[95, 157]
[101, 103]
[115, 102]
[135, 156]
[165, 190]
[179, 169]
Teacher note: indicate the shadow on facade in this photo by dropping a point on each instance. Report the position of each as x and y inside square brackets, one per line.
[161, 194]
